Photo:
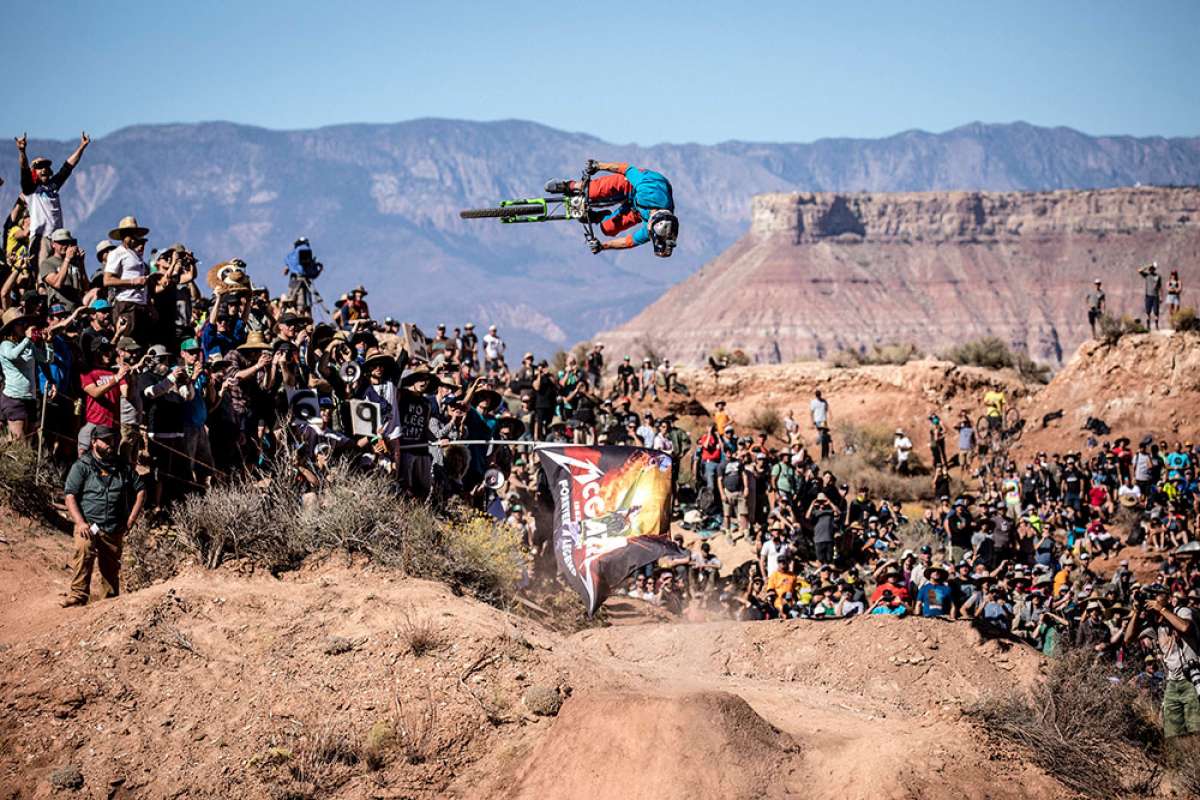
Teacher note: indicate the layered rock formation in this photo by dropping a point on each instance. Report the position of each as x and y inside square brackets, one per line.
[823, 272]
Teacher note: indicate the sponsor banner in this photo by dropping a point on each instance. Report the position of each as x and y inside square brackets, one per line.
[612, 514]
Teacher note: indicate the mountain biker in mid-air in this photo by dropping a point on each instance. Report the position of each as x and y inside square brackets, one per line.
[302, 269]
[645, 202]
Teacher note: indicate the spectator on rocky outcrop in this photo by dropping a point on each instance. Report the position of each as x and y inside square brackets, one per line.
[1174, 293]
[1153, 291]
[1095, 305]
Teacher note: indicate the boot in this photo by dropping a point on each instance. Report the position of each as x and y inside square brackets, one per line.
[558, 187]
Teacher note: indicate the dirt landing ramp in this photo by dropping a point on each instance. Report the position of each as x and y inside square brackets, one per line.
[628, 744]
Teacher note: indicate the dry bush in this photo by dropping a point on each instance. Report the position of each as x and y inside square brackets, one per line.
[269, 524]
[23, 488]
[1097, 737]
[870, 464]
[992, 353]
[1112, 329]
[735, 358]
[1185, 319]
[420, 635]
[411, 729]
[301, 764]
[766, 419]
[896, 353]
[915, 534]
[149, 557]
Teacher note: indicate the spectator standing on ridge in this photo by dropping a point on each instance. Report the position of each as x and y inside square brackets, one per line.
[1095, 304]
[468, 346]
[595, 365]
[41, 185]
[818, 408]
[1174, 291]
[1153, 282]
[104, 496]
[493, 349]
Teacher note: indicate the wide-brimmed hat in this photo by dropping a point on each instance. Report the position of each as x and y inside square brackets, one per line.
[12, 316]
[486, 394]
[938, 568]
[128, 226]
[510, 421]
[376, 356]
[416, 376]
[255, 341]
[360, 289]
[1128, 500]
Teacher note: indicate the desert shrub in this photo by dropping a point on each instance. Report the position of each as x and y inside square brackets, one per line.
[270, 524]
[915, 534]
[410, 729]
[766, 419]
[1098, 737]
[895, 353]
[419, 635]
[1112, 329]
[1185, 319]
[24, 488]
[864, 459]
[992, 353]
[735, 358]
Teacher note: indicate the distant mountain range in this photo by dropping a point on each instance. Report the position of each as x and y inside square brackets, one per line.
[381, 202]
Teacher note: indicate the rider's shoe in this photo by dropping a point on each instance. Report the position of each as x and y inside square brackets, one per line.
[558, 187]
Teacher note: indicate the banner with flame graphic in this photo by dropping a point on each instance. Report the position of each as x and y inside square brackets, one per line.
[612, 514]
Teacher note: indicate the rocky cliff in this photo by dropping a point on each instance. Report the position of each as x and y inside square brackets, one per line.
[820, 272]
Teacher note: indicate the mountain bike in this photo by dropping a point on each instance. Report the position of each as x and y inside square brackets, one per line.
[1008, 428]
[573, 205]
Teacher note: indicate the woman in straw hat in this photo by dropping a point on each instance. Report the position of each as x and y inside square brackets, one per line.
[127, 272]
[21, 350]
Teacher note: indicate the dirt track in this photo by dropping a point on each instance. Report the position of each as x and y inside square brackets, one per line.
[217, 684]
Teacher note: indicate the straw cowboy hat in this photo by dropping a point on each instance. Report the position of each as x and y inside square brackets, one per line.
[376, 356]
[12, 316]
[255, 341]
[128, 226]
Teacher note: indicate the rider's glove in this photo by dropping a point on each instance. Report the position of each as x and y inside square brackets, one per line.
[592, 167]
[595, 245]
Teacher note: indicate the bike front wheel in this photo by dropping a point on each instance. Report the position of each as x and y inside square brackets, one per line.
[502, 212]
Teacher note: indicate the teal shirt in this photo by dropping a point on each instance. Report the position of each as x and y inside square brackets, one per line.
[19, 360]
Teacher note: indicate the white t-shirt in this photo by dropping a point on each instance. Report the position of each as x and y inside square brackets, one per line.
[820, 411]
[45, 210]
[903, 445]
[124, 264]
[773, 554]
[493, 347]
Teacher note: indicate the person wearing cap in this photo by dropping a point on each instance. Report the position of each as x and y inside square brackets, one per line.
[22, 350]
[545, 398]
[1095, 305]
[196, 444]
[104, 496]
[175, 268]
[594, 364]
[1153, 294]
[493, 348]
[102, 391]
[302, 268]
[1173, 632]
[468, 347]
[41, 187]
[127, 273]
[63, 273]
[647, 381]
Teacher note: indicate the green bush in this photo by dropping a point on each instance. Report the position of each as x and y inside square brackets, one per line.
[1185, 319]
[991, 352]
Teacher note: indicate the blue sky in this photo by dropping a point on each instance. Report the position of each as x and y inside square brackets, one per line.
[643, 72]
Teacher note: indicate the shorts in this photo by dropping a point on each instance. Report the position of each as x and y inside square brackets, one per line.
[1151, 305]
[15, 410]
[736, 504]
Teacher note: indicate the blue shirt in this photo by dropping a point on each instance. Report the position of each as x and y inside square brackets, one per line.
[651, 190]
[300, 263]
[195, 411]
[934, 600]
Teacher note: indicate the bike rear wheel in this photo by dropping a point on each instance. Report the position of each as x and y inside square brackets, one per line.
[502, 211]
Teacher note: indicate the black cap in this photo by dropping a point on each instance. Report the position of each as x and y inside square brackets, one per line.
[104, 433]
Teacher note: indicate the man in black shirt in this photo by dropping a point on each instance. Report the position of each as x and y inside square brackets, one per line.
[545, 398]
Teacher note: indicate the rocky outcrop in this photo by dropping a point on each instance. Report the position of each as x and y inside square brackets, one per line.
[820, 272]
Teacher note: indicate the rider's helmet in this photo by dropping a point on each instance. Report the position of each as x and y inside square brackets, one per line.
[303, 240]
[664, 229]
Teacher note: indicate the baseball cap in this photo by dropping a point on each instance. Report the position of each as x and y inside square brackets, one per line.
[104, 433]
[100, 305]
[157, 351]
[189, 344]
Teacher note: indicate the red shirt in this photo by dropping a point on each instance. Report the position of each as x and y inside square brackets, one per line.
[1097, 496]
[101, 410]
[900, 591]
